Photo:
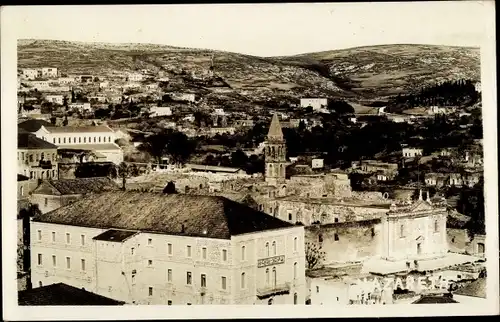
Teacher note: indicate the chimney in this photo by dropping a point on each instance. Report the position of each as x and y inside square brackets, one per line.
[420, 194]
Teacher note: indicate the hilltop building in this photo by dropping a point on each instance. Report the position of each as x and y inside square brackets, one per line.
[179, 249]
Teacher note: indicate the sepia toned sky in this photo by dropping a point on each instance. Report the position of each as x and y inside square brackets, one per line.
[261, 29]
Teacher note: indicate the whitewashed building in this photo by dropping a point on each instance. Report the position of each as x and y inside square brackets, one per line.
[191, 250]
[29, 73]
[56, 99]
[409, 152]
[100, 139]
[315, 103]
[49, 72]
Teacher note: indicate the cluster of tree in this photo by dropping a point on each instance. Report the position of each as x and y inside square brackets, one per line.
[339, 107]
[471, 203]
[314, 255]
[449, 93]
[169, 142]
[91, 169]
[238, 159]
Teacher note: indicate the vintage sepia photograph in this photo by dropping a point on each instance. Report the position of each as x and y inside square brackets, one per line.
[315, 158]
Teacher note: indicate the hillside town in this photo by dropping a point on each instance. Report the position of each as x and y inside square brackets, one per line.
[139, 187]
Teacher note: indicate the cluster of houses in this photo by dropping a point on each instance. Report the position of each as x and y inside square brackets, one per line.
[245, 240]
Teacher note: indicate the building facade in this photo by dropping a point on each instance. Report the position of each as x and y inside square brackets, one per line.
[200, 257]
[315, 103]
[36, 158]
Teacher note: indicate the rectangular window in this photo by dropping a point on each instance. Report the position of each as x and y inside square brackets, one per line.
[150, 291]
[64, 140]
[39, 234]
[83, 264]
[224, 255]
[134, 272]
[54, 236]
[169, 275]
[82, 240]
[68, 263]
[169, 249]
[223, 282]
[169, 302]
[46, 202]
[54, 260]
[188, 278]
[150, 242]
[150, 262]
[68, 238]
[40, 259]
[132, 251]
[204, 253]
[188, 250]
[203, 280]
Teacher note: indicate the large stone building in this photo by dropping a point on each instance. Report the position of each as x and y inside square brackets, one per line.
[149, 248]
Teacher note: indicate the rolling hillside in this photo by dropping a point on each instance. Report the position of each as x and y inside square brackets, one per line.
[357, 74]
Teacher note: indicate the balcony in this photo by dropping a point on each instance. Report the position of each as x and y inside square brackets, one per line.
[279, 289]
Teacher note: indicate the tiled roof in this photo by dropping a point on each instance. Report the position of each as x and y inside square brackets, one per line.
[80, 185]
[78, 129]
[435, 299]
[202, 216]
[62, 294]
[30, 141]
[476, 288]
[21, 177]
[33, 125]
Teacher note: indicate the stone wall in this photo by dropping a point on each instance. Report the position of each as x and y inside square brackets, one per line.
[346, 242]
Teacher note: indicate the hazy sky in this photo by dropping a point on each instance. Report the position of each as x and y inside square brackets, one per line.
[265, 30]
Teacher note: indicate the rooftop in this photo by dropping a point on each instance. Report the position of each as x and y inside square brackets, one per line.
[201, 167]
[275, 131]
[33, 125]
[95, 147]
[30, 141]
[435, 299]
[476, 288]
[78, 129]
[62, 294]
[177, 214]
[76, 186]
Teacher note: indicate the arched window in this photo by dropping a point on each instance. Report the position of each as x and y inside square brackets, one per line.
[401, 231]
[243, 253]
[275, 250]
[295, 267]
[275, 276]
[320, 238]
[295, 299]
[295, 244]
[243, 280]
[267, 276]
[42, 156]
[336, 237]
[267, 249]
[84, 140]
[436, 226]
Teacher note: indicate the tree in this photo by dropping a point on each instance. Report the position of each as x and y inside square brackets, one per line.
[239, 159]
[314, 255]
[179, 147]
[123, 172]
[169, 188]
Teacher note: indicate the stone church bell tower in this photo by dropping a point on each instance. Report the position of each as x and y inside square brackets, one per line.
[275, 154]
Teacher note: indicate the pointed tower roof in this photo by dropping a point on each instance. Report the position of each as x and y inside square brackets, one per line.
[275, 132]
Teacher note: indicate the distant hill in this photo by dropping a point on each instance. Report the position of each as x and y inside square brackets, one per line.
[379, 71]
[355, 74]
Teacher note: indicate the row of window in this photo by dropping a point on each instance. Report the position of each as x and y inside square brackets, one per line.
[97, 139]
[43, 174]
[68, 262]
[402, 229]
[68, 235]
[189, 279]
[35, 157]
